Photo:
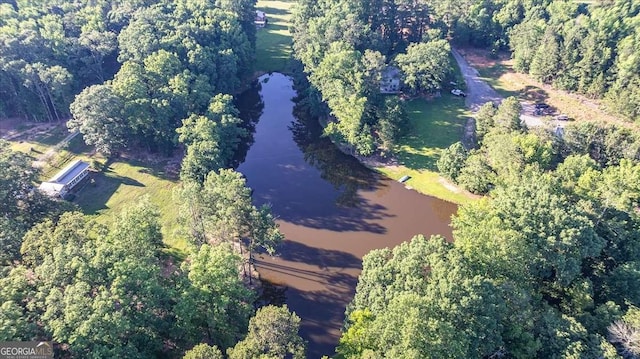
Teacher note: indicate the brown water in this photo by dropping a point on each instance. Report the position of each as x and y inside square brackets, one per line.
[331, 209]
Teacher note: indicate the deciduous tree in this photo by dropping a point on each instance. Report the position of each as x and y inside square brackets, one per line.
[273, 332]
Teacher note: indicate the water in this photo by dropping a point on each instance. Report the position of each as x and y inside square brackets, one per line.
[331, 209]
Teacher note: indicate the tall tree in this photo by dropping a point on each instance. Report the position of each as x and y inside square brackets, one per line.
[425, 65]
[211, 140]
[215, 304]
[98, 113]
[273, 333]
[203, 351]
[220, 210]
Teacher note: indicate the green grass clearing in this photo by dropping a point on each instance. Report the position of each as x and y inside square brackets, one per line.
[435, 125]
[273, 42]
[125, 181]
[38, 140]
[121, 183]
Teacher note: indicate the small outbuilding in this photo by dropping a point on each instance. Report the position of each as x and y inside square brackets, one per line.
[261, 19]
[391, 80]
[65, 180]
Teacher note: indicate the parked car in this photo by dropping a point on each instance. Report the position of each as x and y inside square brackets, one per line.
[541, 106]
[562, 118]
[458, 92]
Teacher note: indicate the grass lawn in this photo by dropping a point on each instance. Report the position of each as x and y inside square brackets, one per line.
[273, 43]
[39, 141]
[123, 182]
[435, 125]
[120, 183]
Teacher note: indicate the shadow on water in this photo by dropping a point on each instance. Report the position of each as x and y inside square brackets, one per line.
[331, 209]
[344, 172]
[251, 106]
[342, 220]
[323, 258]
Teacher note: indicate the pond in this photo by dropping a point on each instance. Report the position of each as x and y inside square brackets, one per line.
[331, 209]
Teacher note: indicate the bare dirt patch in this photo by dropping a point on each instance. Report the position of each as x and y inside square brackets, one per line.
[17, 129]
[497, 69]
[480, 58]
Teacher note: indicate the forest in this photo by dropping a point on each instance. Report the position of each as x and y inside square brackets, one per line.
[135, 75]
[346, 45]
[543, 265]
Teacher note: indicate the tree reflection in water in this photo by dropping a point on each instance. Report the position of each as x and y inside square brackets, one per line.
[343, 171]
[250, 105]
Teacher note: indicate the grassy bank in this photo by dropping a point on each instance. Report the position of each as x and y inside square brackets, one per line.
[435, 125]
[273, 43]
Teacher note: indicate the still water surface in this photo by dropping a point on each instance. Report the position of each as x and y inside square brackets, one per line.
[331, 209]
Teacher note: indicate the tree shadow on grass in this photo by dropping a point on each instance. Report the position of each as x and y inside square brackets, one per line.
[492, 74]
[273, 48]
[53, 136]
[435, 125]
[533, 93]
[103, 185]
[77, 146]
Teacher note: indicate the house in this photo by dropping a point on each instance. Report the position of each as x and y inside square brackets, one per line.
[261, 19]
[66, 179]
[390, 82]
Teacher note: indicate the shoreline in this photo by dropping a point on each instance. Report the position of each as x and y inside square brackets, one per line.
[379, 163]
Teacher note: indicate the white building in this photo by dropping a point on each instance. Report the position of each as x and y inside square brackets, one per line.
[66, 179]
[391, 80]
[261, 19]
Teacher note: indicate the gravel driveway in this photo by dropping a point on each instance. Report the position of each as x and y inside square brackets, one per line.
[479, 93]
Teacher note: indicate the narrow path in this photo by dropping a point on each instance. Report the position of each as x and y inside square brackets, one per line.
[43, 158]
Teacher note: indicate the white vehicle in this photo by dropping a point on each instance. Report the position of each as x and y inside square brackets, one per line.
[458, 92]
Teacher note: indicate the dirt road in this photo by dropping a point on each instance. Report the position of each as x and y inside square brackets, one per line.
[479, 92]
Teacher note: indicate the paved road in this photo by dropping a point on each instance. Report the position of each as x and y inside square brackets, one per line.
[479, 92]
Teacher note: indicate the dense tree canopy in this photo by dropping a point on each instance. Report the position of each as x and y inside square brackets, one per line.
[536, 270]
[273, 333]
[153, 64]
[346, 48]
[579, 47]
[108, 291]
[588, 48]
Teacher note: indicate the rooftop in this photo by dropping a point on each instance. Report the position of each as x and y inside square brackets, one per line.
[70, 172]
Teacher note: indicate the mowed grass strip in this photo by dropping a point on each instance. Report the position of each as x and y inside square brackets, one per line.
[273, 42]
[434, 126]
